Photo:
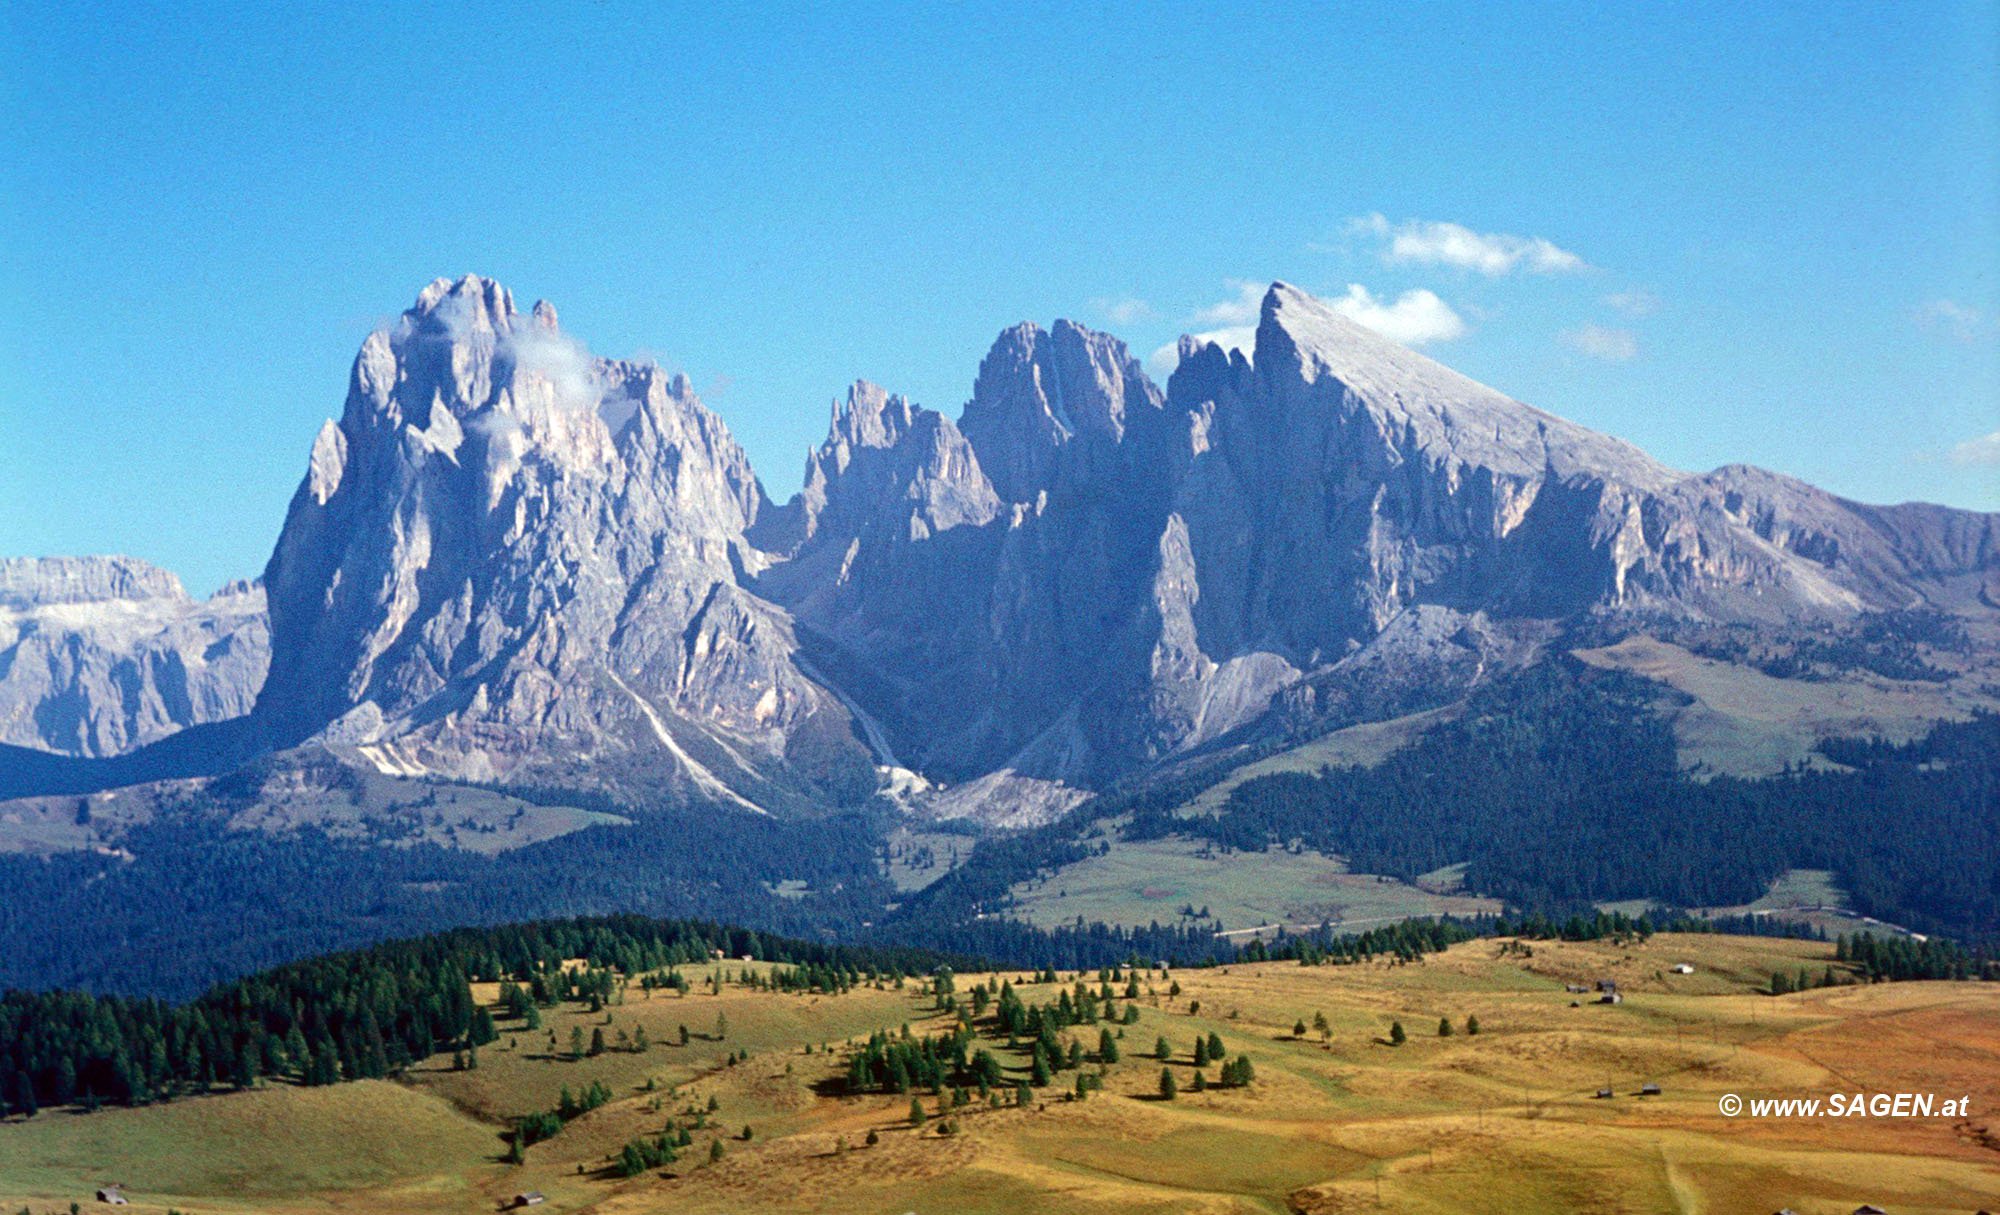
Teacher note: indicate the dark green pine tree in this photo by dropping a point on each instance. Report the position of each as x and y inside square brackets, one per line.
[298, 1056]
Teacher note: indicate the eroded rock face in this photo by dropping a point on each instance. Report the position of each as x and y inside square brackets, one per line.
[99, 655]
[1335, 524]
[512, 561]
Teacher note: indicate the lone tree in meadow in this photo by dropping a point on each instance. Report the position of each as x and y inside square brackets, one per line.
[1444, 1027]
[1163, 1049]
[1396, 1035]
[1322, 1026]
[1472, 1024]
[916, 1112]
[1168, 1089]
[1107, 1047]
[1298, 1029]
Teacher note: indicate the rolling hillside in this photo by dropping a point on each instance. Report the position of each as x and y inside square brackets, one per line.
[1505, 1120]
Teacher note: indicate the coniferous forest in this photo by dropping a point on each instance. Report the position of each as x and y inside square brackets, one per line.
[1561, 788]
[364, 1014]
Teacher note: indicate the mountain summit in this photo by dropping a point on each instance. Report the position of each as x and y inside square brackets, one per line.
[510, 560]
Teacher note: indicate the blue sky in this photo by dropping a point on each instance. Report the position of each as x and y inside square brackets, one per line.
[1770, 233]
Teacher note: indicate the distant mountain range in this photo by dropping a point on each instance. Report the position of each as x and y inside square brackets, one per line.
[99, 655]
[510, 562]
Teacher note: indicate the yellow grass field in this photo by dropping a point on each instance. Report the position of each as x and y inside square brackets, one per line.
[1507, 1121]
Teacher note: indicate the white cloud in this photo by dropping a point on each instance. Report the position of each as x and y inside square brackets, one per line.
[1414, 318]
[1611, 345]
[1417, 317]
[1982, 452]
[554, 356]
[1123, 310]
[1634, 303]
[1438, 243]
[1959, 322]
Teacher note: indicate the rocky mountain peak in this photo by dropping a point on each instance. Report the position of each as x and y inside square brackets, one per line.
[509, 554]
[1040, 394]
[886, 463]
[1311, 358]
[30, 582]
[509, 551]
[871, 416]
[471, 303]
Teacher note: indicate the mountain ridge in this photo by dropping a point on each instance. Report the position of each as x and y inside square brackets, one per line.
[510, 560]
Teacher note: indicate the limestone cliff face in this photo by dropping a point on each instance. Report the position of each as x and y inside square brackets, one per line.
[511, 561]
[1277, 533]
[99, 655]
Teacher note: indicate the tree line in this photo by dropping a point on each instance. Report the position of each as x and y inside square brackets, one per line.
[372, 1012]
